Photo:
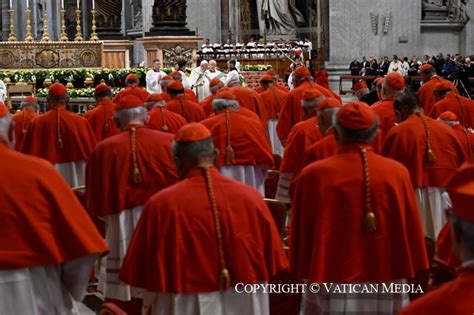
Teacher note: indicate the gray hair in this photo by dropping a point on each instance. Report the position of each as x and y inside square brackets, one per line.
[466, 229]
[216, 88]
[31, 105]
[5, 125]
[312, 103]
[155, 104]
[126, 115]
[450, 123]
[356, 136]
[219, 104]
[194, 150]
[164, 83]
[328, 112]
[390, 92]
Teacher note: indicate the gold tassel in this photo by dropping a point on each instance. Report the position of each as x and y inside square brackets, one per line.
[370, 222]
[23, 129]
[137, 179]
[59, 142]
[429, 151]
[431, 156]
[229, 151]
[224, 280]
[106, 125]
[163, 115]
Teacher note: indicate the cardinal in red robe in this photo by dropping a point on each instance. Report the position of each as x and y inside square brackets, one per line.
[164, 85]
[132, 88]
[430, 80]
[209, 251]
[160, 118]
[302, 135]
[465, 136]
[455, 297]
[214, 86]
[347, 202]
[48, 243]
[122, 173]
[22, 119]
[274, 76]
[179, 104]
[101, 118]
[63, 138]
[273, 99]
[431, 152]
[177, 76]
[244, 150]
[291, 112]
[251, 100]
[461, 106]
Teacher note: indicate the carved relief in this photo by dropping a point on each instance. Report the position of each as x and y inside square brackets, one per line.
[172, 55]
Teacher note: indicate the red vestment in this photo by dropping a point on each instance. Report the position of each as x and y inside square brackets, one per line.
[166, 97]
[77, 137]
[247, 137]
[191, 111]
[279, 87]
[386, 113]
[160, 116]
[406, 143]
[302, 135]
[100, 117]
[174, 248]
[190, 95]
[328, 238]
[251, 100]
[291, 112]
[206, 105]
[22, 121]
[426, 93]
[444, 247]
[43, 223]
[466, 138]
[132, 90]
[110, 188]
[459, 105]
[273, 100]
[454, 298]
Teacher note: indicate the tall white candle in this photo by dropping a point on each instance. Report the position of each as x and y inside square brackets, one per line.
[62, 4]
[11, 4]
[27, 4]
[93, 4]
[78, 4]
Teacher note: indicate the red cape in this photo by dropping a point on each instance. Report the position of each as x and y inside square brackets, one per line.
[22, 121]
[109, 185]
[406, 143]
[206, 105]
[284, 89]
[132, 90]
[426, 93]
[104, 112]
[191, 111]
[174, 246]
[386, 113]
[43, 223]
[444, 247]
[247, 138]
[454, 298]
[273, 100]
[466, 139]
[76, 134]
[251, 100]
[302, 135]
[159, 115]
[459, 105]
[328, 241]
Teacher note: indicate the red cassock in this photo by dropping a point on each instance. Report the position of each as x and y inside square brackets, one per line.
[159, 117]
[245, 112]
[247, 138]
[251, 100]
[426, 93]
[273, 100]
[174, 247]
[302, 135]
[22, 121]
[454, 298]
[166, 97]
[386, 113]
[319, 150]
[328, 238]
[206, 105]
[459, 105]
[444, 247]
[110, 188]
[322, 78]
[132, 90]
[466, 138]
[406, 143]
[190, 95]
[292, 113]
[279, 87]
[191, 111]
[77, 137]
[43, 222]
[101, 119]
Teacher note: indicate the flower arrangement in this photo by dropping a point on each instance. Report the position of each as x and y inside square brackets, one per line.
[77, 93]
[257, 67]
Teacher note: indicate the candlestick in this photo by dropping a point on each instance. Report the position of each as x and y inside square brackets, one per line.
[11, 36]
[11, 4]
[78, 4]
[29, 35]
[94, 36]
[78, 37]
[27, 4]
[93, 4]
[62, 4]
[63, 36]
[45, 37]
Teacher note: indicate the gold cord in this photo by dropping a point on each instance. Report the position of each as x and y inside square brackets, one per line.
[431, 155]
[135, 171]
[370, 219]
[229, 151]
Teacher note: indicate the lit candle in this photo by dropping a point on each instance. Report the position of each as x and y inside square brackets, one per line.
[78, 4]
[93, 4]
[11, 4]
[62, 4]
[27, 5]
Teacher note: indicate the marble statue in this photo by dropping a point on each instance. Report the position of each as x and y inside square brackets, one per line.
[281, 17]
[458, 11]
[434, 3]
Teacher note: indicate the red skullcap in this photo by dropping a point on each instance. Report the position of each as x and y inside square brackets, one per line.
[356, 116]
[192, 132]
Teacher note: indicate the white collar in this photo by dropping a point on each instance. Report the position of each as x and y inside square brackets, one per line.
[468, 263]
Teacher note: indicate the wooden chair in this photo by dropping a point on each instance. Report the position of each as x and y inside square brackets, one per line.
[271, 183]
[111, 309]
[279, 211]
[19, 90]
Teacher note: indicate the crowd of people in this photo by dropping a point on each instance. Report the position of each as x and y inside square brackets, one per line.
[255, 49]
[175, 177]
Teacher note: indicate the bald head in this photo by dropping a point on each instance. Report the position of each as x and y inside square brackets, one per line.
[189, 155]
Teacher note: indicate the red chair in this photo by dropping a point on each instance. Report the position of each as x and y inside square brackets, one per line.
[111, 309]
